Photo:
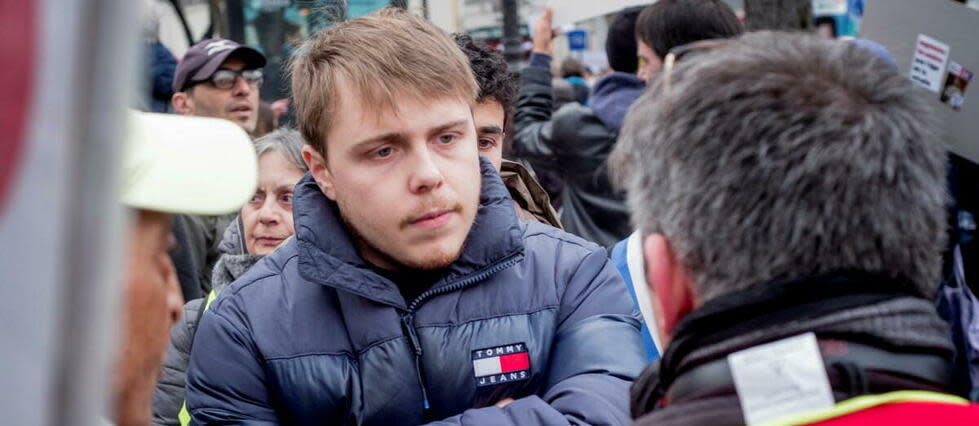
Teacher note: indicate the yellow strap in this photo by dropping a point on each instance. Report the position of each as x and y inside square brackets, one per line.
[864, 402]
[184, 416]
[210, 298]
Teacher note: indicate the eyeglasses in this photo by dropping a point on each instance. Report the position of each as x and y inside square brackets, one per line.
[226, 79]
[677, 53]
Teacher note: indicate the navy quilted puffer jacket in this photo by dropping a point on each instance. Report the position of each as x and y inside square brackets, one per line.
[311, 335]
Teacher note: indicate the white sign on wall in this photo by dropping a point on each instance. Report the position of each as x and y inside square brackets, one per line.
[928, 63]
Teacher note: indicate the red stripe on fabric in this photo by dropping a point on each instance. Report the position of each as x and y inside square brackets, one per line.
[514, 362]
[17, 36]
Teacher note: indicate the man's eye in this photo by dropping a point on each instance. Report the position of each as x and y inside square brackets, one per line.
[383, 152]
[255, 198]
[286, 198]
[447, 138]
[486, 143]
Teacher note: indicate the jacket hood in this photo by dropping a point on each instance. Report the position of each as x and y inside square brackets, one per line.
[612, 97]
[233, 240]
[327, 254]
[234, 260]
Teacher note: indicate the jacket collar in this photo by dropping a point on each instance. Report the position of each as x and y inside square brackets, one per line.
[530, 200]
[327, 254]
[781, 309]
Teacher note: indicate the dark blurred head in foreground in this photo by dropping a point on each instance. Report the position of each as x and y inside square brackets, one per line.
[775, 157]
[667, 24]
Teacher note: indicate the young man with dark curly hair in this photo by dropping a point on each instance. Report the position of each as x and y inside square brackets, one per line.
[493, 116]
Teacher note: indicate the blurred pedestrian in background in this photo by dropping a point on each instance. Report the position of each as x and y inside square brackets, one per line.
[575, 73]
[784, 293]
[572, 144]
[160, 63]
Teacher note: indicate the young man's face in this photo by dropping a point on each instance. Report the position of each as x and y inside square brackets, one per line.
[490, 119]
[151, 304]
[406, 181]
[238, 104]
[650, 64]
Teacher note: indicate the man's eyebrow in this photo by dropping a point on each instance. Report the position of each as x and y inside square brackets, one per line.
[492, 129]
[386, 137]
[284, 188]
[439, 129]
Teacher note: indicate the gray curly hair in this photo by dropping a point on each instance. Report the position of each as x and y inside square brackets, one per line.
[784, 155]
[285, 141]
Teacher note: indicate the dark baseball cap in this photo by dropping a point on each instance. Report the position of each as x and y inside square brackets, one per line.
[204, 58]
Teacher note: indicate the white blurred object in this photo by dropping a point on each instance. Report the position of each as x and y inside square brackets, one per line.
[180, 164]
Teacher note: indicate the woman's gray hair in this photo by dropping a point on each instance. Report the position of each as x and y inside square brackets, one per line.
[285, 141]
[782, 156]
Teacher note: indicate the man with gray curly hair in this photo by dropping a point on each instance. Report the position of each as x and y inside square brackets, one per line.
[791, 200]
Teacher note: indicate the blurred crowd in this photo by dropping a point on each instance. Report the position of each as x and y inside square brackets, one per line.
[724, 228]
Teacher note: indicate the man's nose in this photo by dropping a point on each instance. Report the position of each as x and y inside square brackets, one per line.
[241, 87]
[425, 174]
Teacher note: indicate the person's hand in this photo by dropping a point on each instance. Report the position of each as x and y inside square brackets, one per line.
[504, 402]
[544, 33]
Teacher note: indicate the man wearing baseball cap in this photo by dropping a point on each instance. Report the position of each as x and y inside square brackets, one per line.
[216, 78]
[219, 78]
[171, 165]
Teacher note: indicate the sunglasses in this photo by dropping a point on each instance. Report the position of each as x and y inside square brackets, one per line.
[226, 79]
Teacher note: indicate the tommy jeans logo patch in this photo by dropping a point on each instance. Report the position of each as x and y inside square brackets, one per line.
[501, 364]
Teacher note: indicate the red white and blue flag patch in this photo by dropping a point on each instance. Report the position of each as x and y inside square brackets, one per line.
[501, 364]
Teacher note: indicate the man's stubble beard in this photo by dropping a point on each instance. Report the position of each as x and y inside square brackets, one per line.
[367, 245]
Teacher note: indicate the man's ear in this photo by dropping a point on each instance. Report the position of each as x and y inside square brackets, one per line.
[317, 167]
[669, 283]
[182, 103]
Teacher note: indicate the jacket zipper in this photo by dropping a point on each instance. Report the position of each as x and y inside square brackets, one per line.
[407, 320]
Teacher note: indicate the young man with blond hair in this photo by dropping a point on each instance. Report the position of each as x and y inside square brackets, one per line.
[411, 293]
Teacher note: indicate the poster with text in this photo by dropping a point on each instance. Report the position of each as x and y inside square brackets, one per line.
[928, 63]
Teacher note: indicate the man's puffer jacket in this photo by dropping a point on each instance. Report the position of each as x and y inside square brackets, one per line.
[311, 335]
